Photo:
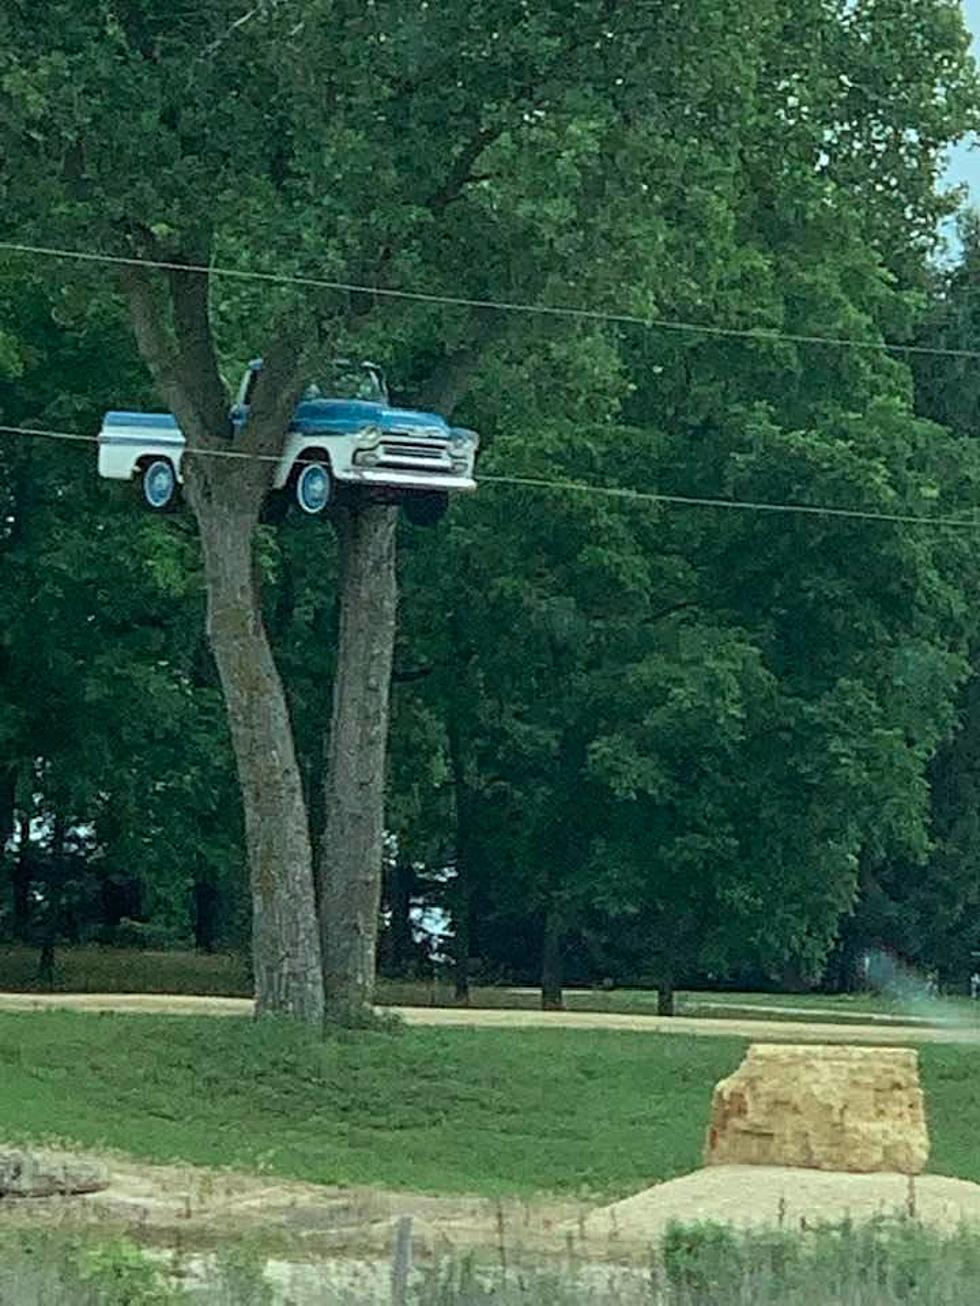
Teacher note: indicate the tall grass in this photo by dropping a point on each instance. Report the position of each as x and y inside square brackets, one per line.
[882, 1263]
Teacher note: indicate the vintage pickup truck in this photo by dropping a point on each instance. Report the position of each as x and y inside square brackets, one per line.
[344, 438]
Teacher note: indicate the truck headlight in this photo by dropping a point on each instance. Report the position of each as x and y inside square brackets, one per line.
[369, 434]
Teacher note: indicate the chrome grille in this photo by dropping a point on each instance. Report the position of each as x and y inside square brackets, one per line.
[410, 449]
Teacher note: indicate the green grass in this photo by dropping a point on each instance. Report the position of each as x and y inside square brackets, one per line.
[482, 1111]
[440, 1110]
[111, 970]
[719, 1004]
[131, 970]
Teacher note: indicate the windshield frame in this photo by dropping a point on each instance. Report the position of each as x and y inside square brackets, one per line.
[361, 375]
[247, 388]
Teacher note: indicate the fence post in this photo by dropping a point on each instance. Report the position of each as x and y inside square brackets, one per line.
[401, 1261]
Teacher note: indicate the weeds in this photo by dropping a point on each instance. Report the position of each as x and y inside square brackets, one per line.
[887, 1262]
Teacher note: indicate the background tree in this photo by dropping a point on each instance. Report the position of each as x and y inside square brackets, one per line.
[737, 169]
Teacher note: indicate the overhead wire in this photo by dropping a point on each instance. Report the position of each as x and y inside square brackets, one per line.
[758, 335]
[583, 487]
[763, 335]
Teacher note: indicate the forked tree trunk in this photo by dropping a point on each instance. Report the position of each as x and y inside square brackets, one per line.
[350, 863]
[227, 487]
[285, 945]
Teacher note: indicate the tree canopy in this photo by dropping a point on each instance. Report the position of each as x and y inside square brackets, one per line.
[658, 740]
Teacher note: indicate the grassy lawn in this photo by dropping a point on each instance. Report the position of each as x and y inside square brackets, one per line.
[131, 970]
[720, 1004]
[439, 1110]
[110, 970]
[482, 1111]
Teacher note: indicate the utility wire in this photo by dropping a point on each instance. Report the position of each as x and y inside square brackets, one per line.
[582, 487]
[758, 334]
[745, 505]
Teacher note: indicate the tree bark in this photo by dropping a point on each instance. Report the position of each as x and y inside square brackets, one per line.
[552, 998]
[351, 852]
[226, 491]
[285, 949]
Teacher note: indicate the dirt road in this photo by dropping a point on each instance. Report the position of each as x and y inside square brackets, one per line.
[785, 1031]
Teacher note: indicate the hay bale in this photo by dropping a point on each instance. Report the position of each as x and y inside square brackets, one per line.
[853, 1109]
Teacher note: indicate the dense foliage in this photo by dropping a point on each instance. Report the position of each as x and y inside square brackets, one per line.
[631, 738]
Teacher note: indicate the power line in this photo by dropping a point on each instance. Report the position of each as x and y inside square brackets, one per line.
[760, 335]
[78, 438]
[583, 487]
[744, 505]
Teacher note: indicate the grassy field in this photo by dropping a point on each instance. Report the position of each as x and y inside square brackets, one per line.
[439, 1110]
[482, 1111]
[107, 970]
[132, 970]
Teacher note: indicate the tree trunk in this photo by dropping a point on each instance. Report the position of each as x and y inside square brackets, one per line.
[22, 882]
[461, 914]
[8, 788]
[351, 850]
[207, 903]
[552, 998]
[665, 998]
[285, 947]
[462, 890]
[227, 488]
[54, 889]
[402, 938]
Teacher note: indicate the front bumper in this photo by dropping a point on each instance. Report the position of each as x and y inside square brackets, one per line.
[405, 480]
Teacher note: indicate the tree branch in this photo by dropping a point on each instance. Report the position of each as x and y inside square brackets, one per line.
[449, 380]
[186, 371]
[197, 356]
[682, 606]
[279, 386]
[155, 346]
[409, 675]
[214, 46]
[461, 172]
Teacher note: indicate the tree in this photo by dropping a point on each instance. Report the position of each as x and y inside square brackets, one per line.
[707, 773]
[113, 728]
[231, 118]
[576, 152]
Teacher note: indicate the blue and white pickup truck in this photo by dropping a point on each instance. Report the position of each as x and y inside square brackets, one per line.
[343, 434]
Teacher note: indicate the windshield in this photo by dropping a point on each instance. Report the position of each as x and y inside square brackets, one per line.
[343, 380]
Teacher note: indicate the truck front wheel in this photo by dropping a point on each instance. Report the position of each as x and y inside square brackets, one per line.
[314, 487]
[156, 482]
